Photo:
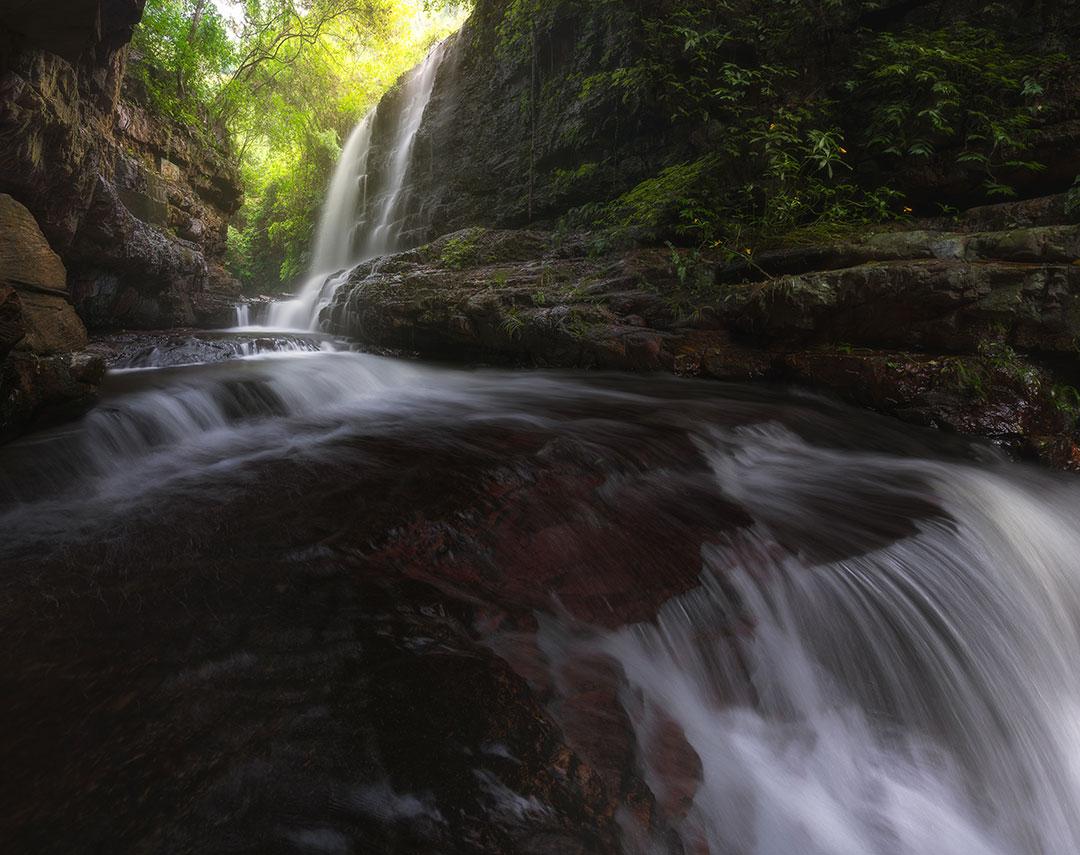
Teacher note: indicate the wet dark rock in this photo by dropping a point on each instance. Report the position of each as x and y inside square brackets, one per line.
[36, 391]
[969, 331]
[166, 348]
[339, 682]
[339, 631]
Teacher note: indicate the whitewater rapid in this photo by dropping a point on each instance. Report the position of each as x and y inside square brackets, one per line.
[881, 660]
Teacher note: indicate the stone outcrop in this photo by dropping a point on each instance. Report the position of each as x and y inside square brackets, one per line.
[106, 206]
[506, 130]
[135, 205]
[970, 331]
[42, 376]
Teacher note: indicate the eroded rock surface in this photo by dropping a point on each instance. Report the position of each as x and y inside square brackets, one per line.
[135, 206]
[43, 376]
[968, 330]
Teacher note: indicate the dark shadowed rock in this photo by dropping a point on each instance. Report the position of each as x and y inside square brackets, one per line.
[93, 165]
[971, 331]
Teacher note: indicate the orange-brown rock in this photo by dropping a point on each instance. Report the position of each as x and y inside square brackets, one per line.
[41, 379]
[29, 266]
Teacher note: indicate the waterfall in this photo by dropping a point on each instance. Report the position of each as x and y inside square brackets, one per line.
[913, 699]
[353, 227]
[243, 315]
[384, 236]
[335, 233]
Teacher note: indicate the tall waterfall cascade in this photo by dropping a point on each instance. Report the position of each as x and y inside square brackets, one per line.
[355, 225]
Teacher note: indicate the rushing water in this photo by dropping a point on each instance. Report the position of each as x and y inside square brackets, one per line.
[276, 595]
[863, 637]
[913, 698]
[353, 225]
[383, 234]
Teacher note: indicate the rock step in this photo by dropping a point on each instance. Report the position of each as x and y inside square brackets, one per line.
[963, 340]
[941, 305]
[1057, 244]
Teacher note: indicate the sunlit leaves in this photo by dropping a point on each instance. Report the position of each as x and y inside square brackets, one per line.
[288, 78]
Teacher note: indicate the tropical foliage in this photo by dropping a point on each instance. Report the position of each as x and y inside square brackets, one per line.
[793, 148]
[285, 80]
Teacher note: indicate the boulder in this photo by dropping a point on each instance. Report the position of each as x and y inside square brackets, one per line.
[40, 390]
[41, 380]
[29, 266]
[12, 326]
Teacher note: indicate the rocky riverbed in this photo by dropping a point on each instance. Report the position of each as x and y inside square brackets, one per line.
[968, 325]
[305, 600]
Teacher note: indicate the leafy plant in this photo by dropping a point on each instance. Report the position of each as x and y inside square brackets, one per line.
[957, 91]
[968, 377]
[1067, 400]
[513, 323]
[1072, 200]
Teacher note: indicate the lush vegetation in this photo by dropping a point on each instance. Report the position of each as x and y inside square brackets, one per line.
[284, 80]
[814, 119]
[809, 118]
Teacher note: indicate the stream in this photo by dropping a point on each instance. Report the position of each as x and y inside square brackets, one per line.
[296, 597]
[276, 594]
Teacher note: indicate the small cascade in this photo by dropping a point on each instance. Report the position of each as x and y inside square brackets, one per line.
[174, 351]
[353, 227]
[243, 315]
[914, 699]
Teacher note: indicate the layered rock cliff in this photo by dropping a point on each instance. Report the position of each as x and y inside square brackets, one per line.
[133, 207]
[524, 124]
[967, 322]
[134, 204]
[43, 374]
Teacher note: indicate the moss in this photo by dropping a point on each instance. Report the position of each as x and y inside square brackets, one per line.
[462, 250]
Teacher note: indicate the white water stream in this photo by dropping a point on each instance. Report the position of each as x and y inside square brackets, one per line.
[922, 698]
[885, 661]
[354, 226]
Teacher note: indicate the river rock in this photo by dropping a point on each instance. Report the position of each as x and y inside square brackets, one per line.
[971, 331]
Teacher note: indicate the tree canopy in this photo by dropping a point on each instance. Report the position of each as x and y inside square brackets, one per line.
[285, 80]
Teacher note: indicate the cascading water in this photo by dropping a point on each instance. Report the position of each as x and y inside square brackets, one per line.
[352, 226]
[918, 698]
[386, 225]
[335, 234]
[866, 644]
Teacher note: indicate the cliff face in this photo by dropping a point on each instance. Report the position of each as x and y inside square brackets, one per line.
[149, 253]
[505, 136]
[524, 124]
[965, 322]
[113, 217]
[134, 205]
